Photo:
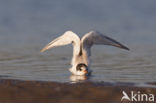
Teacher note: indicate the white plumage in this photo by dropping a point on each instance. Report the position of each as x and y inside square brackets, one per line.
[82, 48]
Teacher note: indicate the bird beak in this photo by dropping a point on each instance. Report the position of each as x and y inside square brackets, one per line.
[85, 71]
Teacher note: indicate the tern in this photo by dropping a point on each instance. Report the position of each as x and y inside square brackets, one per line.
[82, 48]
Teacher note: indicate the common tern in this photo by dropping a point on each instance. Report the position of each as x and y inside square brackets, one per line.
[82, 48]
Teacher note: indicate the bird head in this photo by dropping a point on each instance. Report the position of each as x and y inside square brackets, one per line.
[82, 69]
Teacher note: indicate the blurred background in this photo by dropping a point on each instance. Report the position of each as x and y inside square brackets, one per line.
[37, 20]
[27, 25]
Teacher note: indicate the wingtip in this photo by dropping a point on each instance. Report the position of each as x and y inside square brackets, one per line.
[42, 50]
[126, 48]
[121, 46]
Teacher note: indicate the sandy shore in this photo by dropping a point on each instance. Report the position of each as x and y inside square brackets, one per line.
[16, 91]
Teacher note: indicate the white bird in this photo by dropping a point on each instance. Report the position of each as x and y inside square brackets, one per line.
[82, 48]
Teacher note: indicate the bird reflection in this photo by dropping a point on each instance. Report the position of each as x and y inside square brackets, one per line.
[78, 78]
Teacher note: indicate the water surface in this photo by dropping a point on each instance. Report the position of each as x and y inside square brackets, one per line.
[108, 64]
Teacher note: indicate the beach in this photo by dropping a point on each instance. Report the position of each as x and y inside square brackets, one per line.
[17, 91]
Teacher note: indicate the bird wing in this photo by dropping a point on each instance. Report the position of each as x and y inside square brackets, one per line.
[97, 38]
[67, 38]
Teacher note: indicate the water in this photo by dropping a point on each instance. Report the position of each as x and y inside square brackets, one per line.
[26, 26]
[109, 65]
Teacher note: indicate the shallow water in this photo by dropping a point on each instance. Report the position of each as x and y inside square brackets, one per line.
[109, 65]
[26, 26]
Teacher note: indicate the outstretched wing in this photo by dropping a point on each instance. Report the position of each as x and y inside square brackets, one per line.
[67, 38]
[99, 39]
[93, 37]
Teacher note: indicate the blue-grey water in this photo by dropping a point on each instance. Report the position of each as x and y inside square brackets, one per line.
[26, 26]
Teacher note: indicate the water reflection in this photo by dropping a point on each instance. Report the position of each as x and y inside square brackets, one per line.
[78, 78]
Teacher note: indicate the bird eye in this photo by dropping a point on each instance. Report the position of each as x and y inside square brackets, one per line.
[79, 69]
[72, 42]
